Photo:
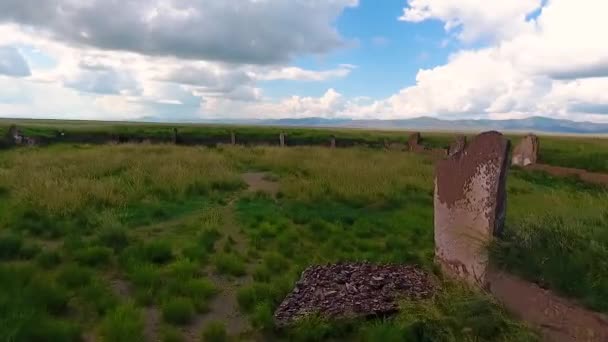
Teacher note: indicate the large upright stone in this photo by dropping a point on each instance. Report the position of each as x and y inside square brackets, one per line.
[282, 139]
[526, 152]
[232, 138]
[470, 206]
[332, 142]
[413, 141]
[459, 143]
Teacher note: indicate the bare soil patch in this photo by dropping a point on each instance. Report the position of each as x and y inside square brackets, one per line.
[558, 319]
[586, 176]
[259, 181]
[350, 290]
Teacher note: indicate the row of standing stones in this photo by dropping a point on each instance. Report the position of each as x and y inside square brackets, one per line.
[525, 153]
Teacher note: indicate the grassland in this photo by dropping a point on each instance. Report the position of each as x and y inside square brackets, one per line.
[133, 242]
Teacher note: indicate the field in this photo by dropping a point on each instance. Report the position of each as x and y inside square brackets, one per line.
[138, 242]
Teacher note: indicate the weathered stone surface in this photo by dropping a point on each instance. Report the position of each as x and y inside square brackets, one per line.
[332, 142]
[232, 138]
[282, 139]
[414, 141]
[352, 290]
[470, 206]
[459, 143]
[526, 152]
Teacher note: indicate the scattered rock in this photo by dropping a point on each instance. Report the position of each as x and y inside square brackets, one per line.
[459, 143]
[348, 290]
[470, 206]
[526, 152]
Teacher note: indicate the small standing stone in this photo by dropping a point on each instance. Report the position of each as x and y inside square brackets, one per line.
[175, 137]
[470, 206]
[457, 145]
[232, 138]
[526, 152]
[332, 142]
[282, 139]
[14, 135]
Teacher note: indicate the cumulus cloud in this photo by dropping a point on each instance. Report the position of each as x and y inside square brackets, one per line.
[247, 31]
[553, 64]
[12, 62]
[474, 19]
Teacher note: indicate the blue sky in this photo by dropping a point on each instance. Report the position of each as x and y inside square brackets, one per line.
[171, 60]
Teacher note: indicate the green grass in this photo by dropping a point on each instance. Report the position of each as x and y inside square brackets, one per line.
[166, 219]
[214, 332]
[178, 311]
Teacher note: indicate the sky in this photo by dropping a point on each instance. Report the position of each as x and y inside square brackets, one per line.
[175, 60]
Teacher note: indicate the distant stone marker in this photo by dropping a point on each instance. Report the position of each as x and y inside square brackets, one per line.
[332, 142]
[282, 139]
[526, 152]
[175, 137]
[232, 138]
[470, 206]
[459, 143]
[413, 141]
[14, 135]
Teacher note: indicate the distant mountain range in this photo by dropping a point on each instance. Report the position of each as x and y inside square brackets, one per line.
[532, 124]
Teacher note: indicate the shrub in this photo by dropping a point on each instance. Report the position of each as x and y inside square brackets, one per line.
[178, 311]
[73, 276]
[10, 247]
[123, 324]
[99, 298]
[214, 332]
[249, 297]
[229, 264]
[171, 334]
[93, 256]
[158, 252]
[48, 329]
[115, 238]
[48, 259]
[261, 317]
[54, 299]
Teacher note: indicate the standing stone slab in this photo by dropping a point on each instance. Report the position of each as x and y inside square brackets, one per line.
[526, 152]
[459, 143]
[232, 138]
[282, 139]
[413, 141]
[470, 206]
[332, 142]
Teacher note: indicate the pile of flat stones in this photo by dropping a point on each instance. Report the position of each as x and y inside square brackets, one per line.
[353, 290]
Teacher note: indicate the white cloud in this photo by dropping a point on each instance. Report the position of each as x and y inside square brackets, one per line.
[474, 19]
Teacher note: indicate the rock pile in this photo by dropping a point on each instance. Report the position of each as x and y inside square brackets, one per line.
[348, 290]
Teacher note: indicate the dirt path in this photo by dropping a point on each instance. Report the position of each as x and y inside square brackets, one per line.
[259, 181]
[586, 176]
[558, 319]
